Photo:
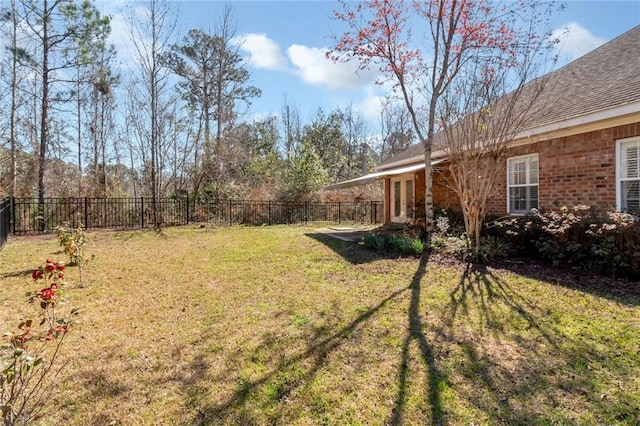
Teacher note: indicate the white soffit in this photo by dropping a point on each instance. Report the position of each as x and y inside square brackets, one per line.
[366, 179]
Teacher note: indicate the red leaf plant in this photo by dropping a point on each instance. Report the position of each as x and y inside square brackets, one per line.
[29, 356]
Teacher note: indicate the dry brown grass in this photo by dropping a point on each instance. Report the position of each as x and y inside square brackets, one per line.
[284, 326]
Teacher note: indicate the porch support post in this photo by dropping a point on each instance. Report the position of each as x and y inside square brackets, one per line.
[387, 201]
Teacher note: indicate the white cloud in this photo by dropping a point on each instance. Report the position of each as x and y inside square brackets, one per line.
[263, 52]
[310, 64]
[371, 106]
[313, 67]
[575, 40]
[262, 115]
[120, 38]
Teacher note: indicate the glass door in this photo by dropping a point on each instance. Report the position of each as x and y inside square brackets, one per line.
[402, 196]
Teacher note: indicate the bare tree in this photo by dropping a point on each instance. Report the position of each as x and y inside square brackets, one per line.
[90, 55]
[213, 83]
[425, 67]
[396, 129]
[13, 17]
[291, 129]
[354, 130]
[495, 100]
[101, 120]
[151, 38]
[51, 26]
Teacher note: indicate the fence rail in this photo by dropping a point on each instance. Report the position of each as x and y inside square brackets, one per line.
[28, 215]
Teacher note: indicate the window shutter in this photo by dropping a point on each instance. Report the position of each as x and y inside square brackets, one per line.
[533, 171]
[630, 163]
[518, 175]
[629, 175]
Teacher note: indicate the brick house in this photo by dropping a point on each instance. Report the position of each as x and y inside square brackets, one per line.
[584, 148]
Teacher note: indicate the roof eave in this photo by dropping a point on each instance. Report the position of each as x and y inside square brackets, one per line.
[610, 117]
[435, 156]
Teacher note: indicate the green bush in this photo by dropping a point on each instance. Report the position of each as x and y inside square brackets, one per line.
[374, 242]
[72, 240]
[418, 246]
[448, 221]
[395, 242]
[493, 248]
[400, 243]
[456, 246]
[577, 238]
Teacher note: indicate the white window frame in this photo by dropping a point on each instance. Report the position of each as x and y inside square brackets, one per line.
[407, 204]
[528, 158]
[620, 143]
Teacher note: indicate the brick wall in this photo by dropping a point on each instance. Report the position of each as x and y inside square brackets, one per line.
[443, 195]
[573, 170]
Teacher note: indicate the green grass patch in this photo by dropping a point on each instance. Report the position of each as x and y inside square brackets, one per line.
[280, 325]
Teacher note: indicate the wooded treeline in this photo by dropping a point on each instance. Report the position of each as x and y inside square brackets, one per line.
[73, 122]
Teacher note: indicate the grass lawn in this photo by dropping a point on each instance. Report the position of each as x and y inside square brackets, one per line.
[280, 325]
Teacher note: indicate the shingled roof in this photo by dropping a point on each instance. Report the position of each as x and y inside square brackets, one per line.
[606, 77]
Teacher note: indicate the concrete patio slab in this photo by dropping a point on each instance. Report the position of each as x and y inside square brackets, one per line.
[344, 233]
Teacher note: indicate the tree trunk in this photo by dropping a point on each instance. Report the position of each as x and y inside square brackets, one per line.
[14, 84]
[44, 116]
[79, 129]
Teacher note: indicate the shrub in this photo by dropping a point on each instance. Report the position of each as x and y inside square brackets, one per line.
[374, 242]
[493, 248]
[452, 241]
[415, 230]
[28, 354]
[396, 242]
[458, 247]
[418, 246]
[576, 238]
[447, 238]
[399, 243]
[448, 221]
[73, 240]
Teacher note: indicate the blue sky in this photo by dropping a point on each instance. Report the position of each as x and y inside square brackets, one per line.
[285, 41]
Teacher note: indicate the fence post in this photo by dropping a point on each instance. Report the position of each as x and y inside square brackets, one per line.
[12, 213]
[269, 213]
[306, 212]
[142, 212]
[230, 222]
[187, 209]
[86, 213]
[339, 213]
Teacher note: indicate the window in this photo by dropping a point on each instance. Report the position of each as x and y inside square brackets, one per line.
[628, 172]
[522, 183]
[409, 197]
[397, 198]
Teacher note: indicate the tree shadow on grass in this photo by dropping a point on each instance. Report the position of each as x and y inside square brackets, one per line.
[349, 250]
[619, 290]
[435, 377]
[520, 365]
[492, 345]
[101, 385]
[14, 274]
[290, 374]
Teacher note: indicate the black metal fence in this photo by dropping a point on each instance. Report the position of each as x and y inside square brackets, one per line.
[5, 220]
[28, 215]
